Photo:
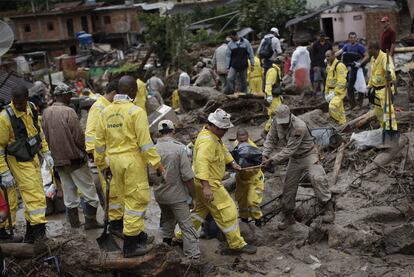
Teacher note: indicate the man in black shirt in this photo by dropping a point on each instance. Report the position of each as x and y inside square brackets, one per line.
[318, 51]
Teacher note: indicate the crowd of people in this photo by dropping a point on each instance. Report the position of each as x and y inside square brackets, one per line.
[118, 147]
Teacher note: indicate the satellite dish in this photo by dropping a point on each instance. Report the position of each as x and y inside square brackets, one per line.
[122, 26]
[6, 37]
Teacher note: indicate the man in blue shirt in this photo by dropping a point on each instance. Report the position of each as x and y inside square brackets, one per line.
[357, 57]
[239, 51]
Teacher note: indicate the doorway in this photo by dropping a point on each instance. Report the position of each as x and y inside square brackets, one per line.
[327, 25]
[84, 24]
[69, 27]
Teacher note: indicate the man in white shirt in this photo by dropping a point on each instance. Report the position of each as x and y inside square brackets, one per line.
[274, 41]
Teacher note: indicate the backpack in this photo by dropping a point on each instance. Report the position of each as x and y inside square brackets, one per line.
[266, 51]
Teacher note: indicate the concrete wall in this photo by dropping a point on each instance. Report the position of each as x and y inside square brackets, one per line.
[344, 23]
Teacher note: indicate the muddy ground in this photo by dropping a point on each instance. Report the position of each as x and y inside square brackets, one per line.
[373, 233]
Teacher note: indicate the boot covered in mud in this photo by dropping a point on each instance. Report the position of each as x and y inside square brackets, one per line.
[132, 248]
[39, 233]
[144, 238]
[247, 249]
[73, 216]
[287, 220]
[6, 237]
[116, 228]
[90, 218]
[329, 214]
[28, 237]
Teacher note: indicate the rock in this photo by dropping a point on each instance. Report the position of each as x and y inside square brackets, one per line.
[192, 98]
[400, 239]
[294, 235]
[345, 238]
[314, 119]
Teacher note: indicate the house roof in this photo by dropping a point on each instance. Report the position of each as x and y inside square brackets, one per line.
[8, 80]
[67, 5]
[143, 6]
[387, 4]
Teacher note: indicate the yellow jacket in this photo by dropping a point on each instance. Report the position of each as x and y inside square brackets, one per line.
[378, 69]
[93, 118]
[7, 134]
[123, 128]
[175, 100]
[336, 79]
[273, 77]
[210, 158]
[257, 71]
[142, 93]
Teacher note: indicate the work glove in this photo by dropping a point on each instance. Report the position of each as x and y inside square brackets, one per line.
[269, 99]
[329, 97]
[357, 64]
[47, 156]
[7, 179]
[51, 192]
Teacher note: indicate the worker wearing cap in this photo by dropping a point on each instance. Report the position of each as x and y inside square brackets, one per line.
[303, 158]
[21, 139]
[116, 209]
[335, 88]
[255, 77]
[382, 71]
[249, 186]
[142, 94]
[66, 140]
[209, 163]
[124, 147]
[273, 90]
[273, 36]
[388, 37]
[176, 191]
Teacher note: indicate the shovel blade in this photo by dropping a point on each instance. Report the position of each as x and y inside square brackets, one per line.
[107, 242]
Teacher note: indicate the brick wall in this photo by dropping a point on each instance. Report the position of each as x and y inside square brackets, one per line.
[129, 15]
[374, 26]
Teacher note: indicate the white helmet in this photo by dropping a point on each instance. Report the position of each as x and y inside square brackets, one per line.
[221, 119]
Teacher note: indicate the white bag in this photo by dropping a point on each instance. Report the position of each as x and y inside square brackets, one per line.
[360, 84]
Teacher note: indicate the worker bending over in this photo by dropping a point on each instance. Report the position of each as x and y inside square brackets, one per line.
[382, 71]
[21, 141]
[273, 91]
[249, 186]
[210, 159]
[335, 88]
[303, 158]
[123, 145]
[176, 191]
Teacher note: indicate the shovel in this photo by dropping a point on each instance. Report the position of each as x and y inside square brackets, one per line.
[9, 218]
[106, 241]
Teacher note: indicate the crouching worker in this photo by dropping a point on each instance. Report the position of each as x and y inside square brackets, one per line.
[209, 163]
[176, 191]
[303, 158]
[21, 139]
[124, 147]
[249, 186]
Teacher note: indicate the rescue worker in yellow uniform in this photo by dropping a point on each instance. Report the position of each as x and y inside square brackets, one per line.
[380, 73]
[142, 94]
[209, 163]
[116, 209]
[21, 141]
[273, 91]
[335, 88]
[255, 77]
[124, 147]
[249, 186]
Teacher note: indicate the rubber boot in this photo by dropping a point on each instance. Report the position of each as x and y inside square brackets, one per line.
[132, 248]
[116, 228]
[73, 216]
[39, 232]
[247, 249]
[329, 215]
[6, 237]
[144, 238]
[90, 218]
[28, 237]
[287, 221]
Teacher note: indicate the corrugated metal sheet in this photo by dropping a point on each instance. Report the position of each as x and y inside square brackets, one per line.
[8, 80]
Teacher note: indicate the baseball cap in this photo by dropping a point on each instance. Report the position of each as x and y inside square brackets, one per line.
[274, 30]
[221, 119]
[385, 19]
[282, 114]
[165, 125]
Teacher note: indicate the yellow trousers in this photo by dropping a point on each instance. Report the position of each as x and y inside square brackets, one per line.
[379, 111]
[116, 203]
[175, 100]
[249, 193]
[29, 182]
[224, 211]
[256, 85]
[133, 182]
[276, 102]
[336, 110]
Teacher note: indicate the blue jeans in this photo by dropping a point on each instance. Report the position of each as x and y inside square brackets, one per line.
[231, 80]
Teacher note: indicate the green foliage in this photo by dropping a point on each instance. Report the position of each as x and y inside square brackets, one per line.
[126, 68]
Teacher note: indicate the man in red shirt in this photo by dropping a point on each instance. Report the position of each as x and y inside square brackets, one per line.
[388, 37]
